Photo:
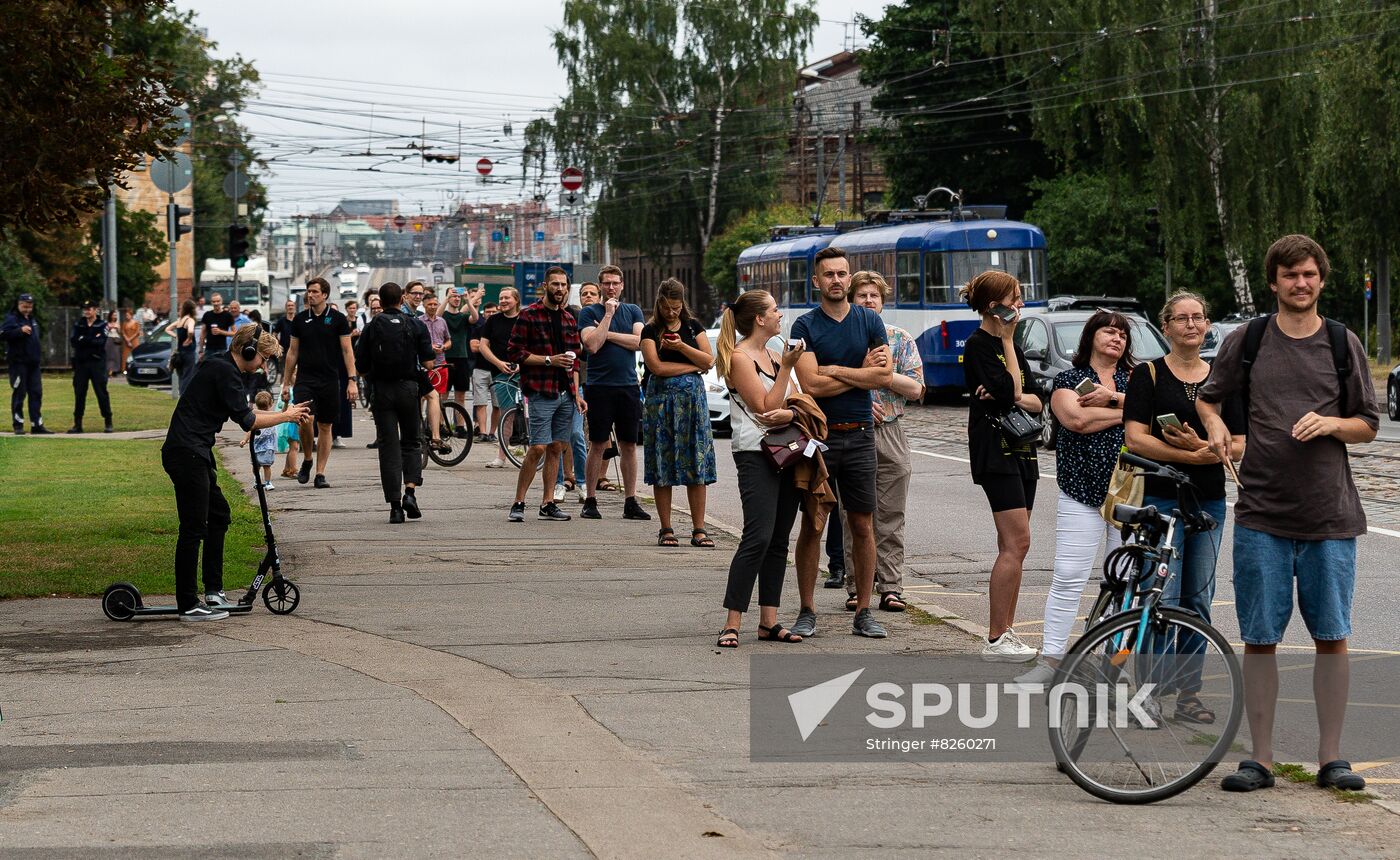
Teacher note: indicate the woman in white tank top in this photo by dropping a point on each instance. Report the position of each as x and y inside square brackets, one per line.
[759, 382]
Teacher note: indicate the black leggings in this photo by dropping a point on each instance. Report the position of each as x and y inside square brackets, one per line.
[770, 502]
[204, 516]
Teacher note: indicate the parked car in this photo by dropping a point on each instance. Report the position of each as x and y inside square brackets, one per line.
[1216, 336]
[1049, 341]
[149, 362]
[438, 266]
[1392, 394]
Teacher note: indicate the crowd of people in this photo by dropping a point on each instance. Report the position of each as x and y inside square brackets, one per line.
[817, 440]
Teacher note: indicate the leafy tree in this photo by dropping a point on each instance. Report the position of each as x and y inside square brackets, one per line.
[742, 231]
[74, 117]
[1210, 108]
[141, 247]
[1097, 236]
[933, 128]
[18, 274]
[680, 106]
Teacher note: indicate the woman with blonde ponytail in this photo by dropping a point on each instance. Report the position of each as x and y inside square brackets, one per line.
[758, 380]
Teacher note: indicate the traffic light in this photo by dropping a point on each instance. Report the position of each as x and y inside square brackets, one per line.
[237, 245]
[173, 225]
[505, 231]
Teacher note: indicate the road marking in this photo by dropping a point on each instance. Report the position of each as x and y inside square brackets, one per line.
[1376, 529]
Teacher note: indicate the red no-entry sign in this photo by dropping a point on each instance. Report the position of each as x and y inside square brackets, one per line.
[484, 167]
[571, 179]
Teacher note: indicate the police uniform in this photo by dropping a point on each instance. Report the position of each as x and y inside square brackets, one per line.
[89, 340]
[23, 354]
[391, 352]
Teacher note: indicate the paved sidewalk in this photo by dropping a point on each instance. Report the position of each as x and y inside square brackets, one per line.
[461, 686]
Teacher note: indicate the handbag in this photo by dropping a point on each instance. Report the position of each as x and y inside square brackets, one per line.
[785, 445]
[1019, 427]
[1125, 487]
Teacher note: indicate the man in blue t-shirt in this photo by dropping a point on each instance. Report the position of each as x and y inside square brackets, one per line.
[847, 356]
[611, 331]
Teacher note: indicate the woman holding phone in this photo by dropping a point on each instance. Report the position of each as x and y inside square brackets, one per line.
[1088, 400]
[1160, 423]
[759, 382]
[1007, 471]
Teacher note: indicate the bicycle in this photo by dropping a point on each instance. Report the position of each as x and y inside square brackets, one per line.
[362, 383]
[515, 443]
[1136, 654]
[454, 430]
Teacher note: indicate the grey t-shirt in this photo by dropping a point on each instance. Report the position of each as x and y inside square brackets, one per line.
[1292, 489]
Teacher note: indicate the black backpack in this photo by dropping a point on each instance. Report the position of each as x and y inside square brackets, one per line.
[1254, 335]
[395, 348]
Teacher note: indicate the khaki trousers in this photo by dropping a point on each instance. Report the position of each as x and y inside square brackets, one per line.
[892, 473]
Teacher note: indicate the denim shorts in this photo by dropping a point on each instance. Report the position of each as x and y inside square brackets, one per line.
[1265, 569]
[551, 419]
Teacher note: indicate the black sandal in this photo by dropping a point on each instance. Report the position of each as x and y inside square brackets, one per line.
[894, 597]
[777, 633]
[1190, 709]
[728, 638]
[700, 541]
[851, 601]
[667, 537]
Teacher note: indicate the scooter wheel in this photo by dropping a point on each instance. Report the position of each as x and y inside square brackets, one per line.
[281, 596]
[120, 601]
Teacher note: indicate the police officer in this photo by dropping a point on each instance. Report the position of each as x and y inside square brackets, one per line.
[395, 352]
[89, 340]
[21, 333]
[215, 394]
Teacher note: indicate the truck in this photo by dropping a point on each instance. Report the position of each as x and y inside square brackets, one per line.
[257, 287]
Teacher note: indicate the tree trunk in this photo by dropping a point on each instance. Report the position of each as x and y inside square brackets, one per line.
[1215, 158]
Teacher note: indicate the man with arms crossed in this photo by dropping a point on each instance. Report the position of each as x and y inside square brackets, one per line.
[544, 342]
[320, 348]
[612, 332]
[1298, 514]
[847, 357]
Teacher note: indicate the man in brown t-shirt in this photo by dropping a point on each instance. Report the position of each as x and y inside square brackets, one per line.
[1298, 514]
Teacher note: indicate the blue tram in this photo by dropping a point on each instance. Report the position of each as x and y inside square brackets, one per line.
[925, 256]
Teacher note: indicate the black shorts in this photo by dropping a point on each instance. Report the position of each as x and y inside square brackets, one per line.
[459, 372]
[1009, 492]
[850, 464]
[614, 406]
[324, 395]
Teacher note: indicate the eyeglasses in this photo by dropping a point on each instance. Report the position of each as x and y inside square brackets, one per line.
[1183, 319]
[417, 294]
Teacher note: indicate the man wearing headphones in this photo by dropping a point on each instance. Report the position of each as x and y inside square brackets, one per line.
[215, 394]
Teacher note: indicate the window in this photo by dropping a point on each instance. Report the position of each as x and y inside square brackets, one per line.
[1031, 336]
[907, 286]
[936, 288]
[797, 281]
[1026, 265]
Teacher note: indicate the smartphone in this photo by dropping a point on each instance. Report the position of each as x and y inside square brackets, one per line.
[1169, 420]
[1084, 387]
[461, 291]
[1004, 313]
[796, 343]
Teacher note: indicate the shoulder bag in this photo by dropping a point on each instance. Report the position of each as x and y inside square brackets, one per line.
[1019, 427]
[1126, 485]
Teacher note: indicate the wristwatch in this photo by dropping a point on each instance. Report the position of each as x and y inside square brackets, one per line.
[1113, 401]
[548, 361]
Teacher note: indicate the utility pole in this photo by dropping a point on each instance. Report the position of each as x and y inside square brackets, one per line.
[860, 167]
[109, 229]
[841, 171]
[1383, 308]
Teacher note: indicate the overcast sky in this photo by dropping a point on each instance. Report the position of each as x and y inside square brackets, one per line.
[351, 77]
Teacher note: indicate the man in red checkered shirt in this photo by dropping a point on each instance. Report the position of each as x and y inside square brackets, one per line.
[545, 344]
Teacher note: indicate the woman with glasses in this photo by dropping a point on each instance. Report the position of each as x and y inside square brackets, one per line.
[1160, 423]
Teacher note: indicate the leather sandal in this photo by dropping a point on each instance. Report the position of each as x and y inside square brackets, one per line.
[893, 601]
[728, 638]
[777, 633]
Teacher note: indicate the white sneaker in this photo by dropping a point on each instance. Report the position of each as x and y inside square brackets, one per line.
[560, 494]
[1043, 673]
[268, 486]
[200, 612]
[215, 598]
[1007, 649]
[582, 494]
[497, 463]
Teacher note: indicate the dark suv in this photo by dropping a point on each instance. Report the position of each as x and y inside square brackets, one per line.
[1049, 341]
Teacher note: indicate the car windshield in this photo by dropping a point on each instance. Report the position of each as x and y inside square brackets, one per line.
[1148, 343]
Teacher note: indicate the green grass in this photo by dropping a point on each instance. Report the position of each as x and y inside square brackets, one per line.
[1293, 772]
[82, 514]
[919, 616]
[132, 408]
[1206, 739]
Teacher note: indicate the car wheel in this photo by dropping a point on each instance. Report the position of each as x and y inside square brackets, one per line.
[1392, 401]
[1047, 429]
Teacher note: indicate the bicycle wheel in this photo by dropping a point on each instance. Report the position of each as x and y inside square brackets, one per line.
[514, 444]
[1104, 745]
[454, 450]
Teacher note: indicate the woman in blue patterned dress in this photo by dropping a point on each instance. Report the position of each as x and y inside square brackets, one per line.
[680, 450]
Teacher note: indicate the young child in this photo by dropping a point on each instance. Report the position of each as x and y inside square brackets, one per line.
[264, 440]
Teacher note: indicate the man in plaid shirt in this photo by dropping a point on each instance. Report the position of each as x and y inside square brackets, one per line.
[545, 343]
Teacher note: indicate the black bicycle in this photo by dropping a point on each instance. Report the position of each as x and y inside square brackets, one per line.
[1107, 729]
[454, 431]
